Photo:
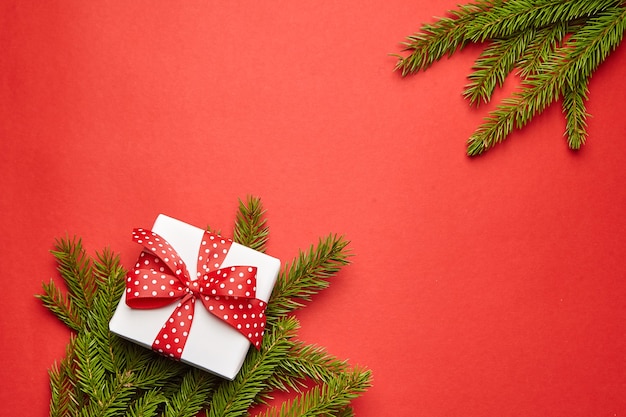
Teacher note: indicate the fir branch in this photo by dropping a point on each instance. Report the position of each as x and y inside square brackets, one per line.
[66, 397]
[441, 38]
[307, 275]
[594, 41]
[574, 97]
[233, 398]
[346, 412]
[109, 276]
[90, 371]
[157, 370]
[542, 46]
[576, 60]
[511, 17]
[494, 64]
[147, 405]
[61, 305]
[192, 396]
[61, 403]
[306, 362]
[74, 266]
[327, 399]
[512, 113]
[116, 394]
[250, 226]
[108, 394]
[529, 35]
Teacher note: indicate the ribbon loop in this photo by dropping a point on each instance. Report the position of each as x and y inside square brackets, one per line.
[161, 278]
[235, 281]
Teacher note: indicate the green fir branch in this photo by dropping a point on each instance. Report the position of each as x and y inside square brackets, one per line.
[156, 370]
[192, 395]
[250, 225]
[74, 266]
[555, 45]
[327, 399]
[590, 45]
[147, 405]
[108, 394]
[66, 398]
[494, 65]
[307, 275]
[233, 398]
[542, 46]
[90, 371]
[346, 412]
[61, 305]
[305, 363]
[109, 276]
[594, 41]
[574, 98]
[438, 39]
[511, 17]
[116, 395]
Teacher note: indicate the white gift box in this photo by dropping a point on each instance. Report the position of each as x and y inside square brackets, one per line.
[212, 345]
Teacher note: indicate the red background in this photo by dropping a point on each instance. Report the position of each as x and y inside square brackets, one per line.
[491, 286]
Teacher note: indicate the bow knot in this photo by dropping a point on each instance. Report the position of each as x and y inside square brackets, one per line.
[161, 278]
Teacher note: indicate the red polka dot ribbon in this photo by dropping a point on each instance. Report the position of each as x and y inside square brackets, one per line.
[160, 278]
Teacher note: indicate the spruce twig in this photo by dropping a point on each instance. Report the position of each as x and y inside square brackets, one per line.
[329, 399]
[250, 225]
[147, 405]
[192, 396]
[67, 399]
[305, 363]
[555, 46]
[441, 38]
[235, 397]
[574, 98]
[307, 275]
[74, 266]
[494, 64]
[61, 305]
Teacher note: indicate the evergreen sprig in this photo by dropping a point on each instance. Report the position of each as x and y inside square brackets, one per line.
[304, 363]
[105, 375]
[554, 45]
[331, 398]
[250, 225]
[307, 275]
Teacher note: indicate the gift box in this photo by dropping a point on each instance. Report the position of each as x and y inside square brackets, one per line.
[195, 296]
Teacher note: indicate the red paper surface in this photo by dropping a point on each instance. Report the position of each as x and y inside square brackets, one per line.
[479, 287]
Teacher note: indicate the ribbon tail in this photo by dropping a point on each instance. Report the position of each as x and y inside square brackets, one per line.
[173, 335]
[245, 316]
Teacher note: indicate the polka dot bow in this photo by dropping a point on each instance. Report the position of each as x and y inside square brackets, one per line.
[160, 278]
